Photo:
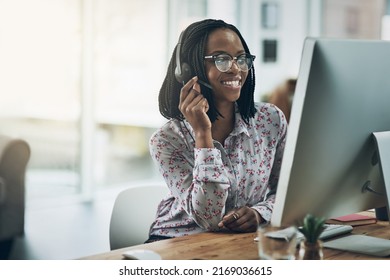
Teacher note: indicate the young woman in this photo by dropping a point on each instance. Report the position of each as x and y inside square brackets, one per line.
[220, 152]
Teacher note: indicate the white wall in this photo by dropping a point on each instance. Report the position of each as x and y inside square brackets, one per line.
[385, 35]
[295, 20]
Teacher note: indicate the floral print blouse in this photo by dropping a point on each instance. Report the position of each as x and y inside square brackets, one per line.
[206, 183]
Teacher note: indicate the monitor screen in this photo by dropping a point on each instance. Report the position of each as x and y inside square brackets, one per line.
[330, 165]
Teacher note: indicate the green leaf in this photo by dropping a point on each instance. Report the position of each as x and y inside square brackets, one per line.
[312, 227]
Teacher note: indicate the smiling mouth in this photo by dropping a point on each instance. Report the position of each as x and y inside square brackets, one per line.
[232, 83]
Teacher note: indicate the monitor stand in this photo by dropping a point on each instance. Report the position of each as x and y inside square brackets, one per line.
[382, 140]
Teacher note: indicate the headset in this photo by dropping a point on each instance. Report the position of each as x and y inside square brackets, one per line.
[183, 71]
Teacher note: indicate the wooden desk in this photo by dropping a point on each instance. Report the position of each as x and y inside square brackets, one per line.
[233, 246]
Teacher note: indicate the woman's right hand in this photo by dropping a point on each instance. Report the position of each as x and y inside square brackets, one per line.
[194, 106]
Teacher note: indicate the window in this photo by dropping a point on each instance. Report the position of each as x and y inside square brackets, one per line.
[40, 53]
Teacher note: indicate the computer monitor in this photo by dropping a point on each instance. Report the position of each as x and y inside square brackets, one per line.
[331, 165]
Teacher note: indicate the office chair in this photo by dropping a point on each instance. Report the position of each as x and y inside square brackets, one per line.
[14, 156]
[133, 212]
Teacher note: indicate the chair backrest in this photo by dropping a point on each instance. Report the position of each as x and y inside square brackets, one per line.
[133, 212]
[14, 157]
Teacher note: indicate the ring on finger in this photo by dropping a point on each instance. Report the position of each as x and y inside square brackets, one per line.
[236, 216]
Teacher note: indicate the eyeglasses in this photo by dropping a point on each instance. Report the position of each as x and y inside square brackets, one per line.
[224, 62]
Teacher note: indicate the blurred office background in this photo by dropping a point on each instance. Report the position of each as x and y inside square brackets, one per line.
[79, 81]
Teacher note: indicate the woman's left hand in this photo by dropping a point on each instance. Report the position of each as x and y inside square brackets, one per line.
[244, 219]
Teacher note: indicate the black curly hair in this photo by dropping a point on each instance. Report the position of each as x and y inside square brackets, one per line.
[194, 39]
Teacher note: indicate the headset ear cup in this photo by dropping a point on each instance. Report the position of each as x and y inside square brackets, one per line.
[184, 75]
[178, 75]
[186, 72]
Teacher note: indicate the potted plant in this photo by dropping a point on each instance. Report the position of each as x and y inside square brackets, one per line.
[311, 246]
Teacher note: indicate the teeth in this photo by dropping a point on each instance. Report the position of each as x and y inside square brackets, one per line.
[232, 83]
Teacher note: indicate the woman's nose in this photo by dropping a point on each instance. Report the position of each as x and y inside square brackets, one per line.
[234, 68]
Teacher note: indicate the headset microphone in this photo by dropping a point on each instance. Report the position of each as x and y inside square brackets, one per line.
[183, 71]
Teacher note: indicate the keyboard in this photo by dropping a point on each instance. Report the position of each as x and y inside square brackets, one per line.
[329, 232]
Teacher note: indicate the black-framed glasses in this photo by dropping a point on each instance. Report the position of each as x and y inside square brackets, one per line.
[224, 62]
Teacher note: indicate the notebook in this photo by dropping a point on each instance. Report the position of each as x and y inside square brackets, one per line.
[353, 220]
